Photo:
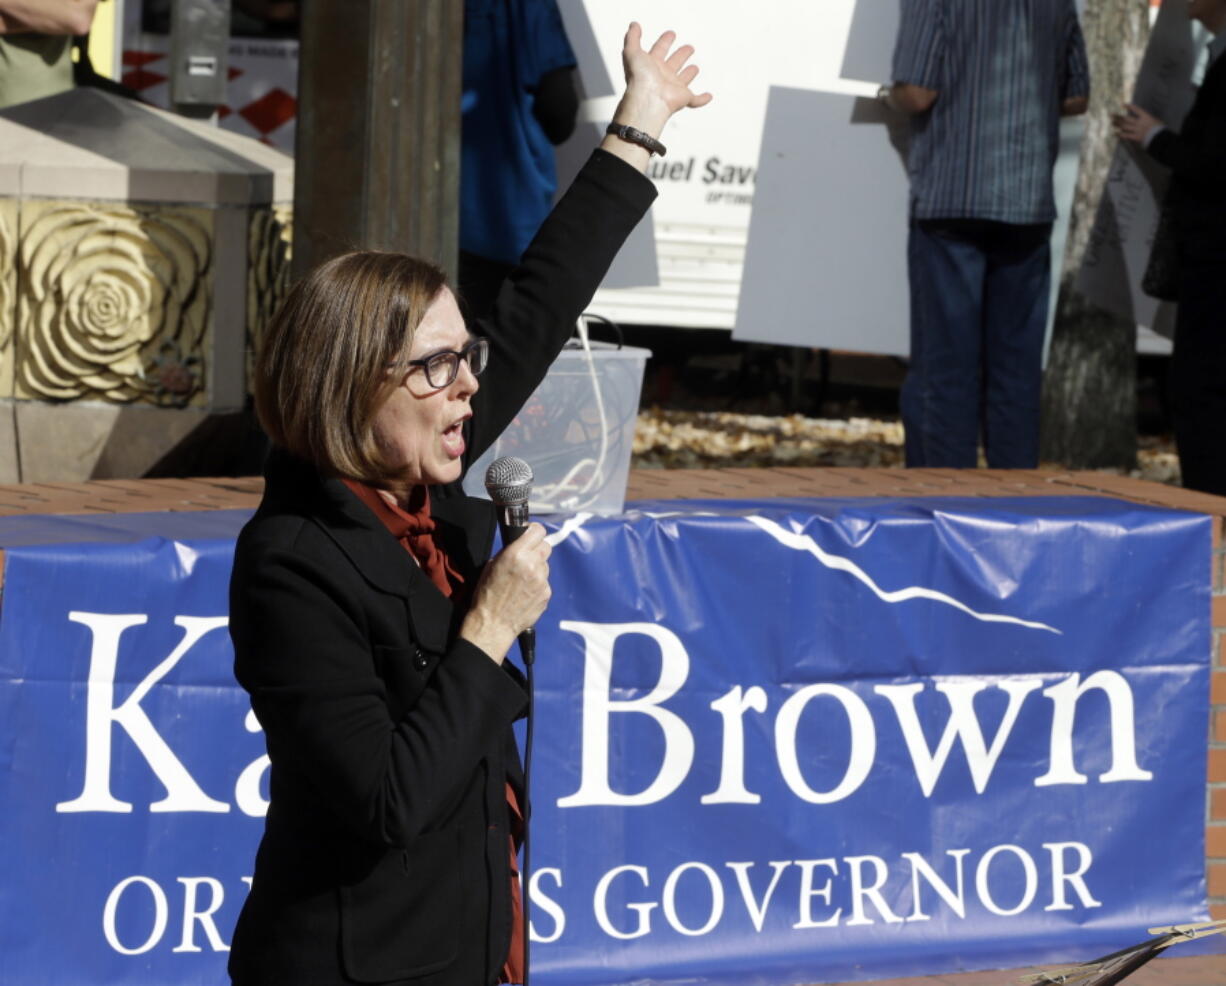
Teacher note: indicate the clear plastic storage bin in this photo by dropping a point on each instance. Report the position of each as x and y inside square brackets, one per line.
[576, 431]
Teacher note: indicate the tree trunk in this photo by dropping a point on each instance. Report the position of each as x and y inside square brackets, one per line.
[378, 141]
[1089, 412]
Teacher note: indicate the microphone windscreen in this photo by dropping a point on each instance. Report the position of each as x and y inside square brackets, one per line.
[508, 481]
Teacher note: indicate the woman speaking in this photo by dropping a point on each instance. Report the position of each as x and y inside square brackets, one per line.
[368, 626]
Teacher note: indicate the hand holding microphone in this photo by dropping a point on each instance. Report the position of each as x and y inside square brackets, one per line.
[514, 590]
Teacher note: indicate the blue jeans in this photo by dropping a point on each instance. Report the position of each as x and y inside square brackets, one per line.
[979, 299]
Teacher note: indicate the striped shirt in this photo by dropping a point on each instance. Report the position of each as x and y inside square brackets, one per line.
[1001, 68]
[1216, 47]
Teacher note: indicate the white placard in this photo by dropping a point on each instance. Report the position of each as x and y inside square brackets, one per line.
[826, 263]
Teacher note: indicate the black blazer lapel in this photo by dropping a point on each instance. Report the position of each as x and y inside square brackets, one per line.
[387, 566]
[465, 532]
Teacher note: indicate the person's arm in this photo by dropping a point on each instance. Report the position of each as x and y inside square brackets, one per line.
[536, 309]
[556, 104]
[907, 98]
[1075, 81]
[1204, 160]
[918, 51]
[71, 17]
[1201, 161]
[1074, 106]
[548, 63]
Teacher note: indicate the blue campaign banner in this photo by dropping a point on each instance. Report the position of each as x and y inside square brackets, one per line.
[777, 742]
[130, 764]
[805, 741]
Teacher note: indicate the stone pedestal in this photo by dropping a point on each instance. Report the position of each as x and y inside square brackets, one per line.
[140, 256]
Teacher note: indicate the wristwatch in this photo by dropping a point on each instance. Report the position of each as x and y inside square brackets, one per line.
[634, 136]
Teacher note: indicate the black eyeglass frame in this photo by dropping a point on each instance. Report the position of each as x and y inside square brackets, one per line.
[476, 354]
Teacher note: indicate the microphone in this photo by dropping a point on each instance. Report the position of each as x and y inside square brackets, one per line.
[508, 481]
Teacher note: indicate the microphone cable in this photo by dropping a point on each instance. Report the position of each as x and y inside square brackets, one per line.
[508, 482]
[525, 875]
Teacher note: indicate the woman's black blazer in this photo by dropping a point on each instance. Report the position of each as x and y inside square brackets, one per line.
[384, 857]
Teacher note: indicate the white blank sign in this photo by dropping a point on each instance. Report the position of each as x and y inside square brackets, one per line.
[825, 263]
[870, 42]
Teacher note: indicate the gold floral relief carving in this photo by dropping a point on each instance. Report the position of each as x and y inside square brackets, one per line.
[269, 241]
[8, 292]
[113, 303]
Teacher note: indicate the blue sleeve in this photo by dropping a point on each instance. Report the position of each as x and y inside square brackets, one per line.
[918, 50]
[545, 45]
[1076, 78]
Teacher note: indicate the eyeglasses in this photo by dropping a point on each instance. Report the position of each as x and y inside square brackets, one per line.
[442, 368]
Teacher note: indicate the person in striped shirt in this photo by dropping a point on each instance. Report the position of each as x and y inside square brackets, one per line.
[985, 83]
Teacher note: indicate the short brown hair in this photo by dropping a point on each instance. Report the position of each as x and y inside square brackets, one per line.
[320, 374]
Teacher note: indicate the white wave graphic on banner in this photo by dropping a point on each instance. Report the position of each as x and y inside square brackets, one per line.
[569, 526]
[802, 542]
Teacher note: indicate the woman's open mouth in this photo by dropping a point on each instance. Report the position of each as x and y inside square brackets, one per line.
[453, 439]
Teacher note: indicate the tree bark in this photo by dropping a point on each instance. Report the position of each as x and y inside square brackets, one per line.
[1089, 409]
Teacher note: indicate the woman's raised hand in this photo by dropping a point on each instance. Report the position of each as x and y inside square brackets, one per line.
[658, 80]
[658, 84]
